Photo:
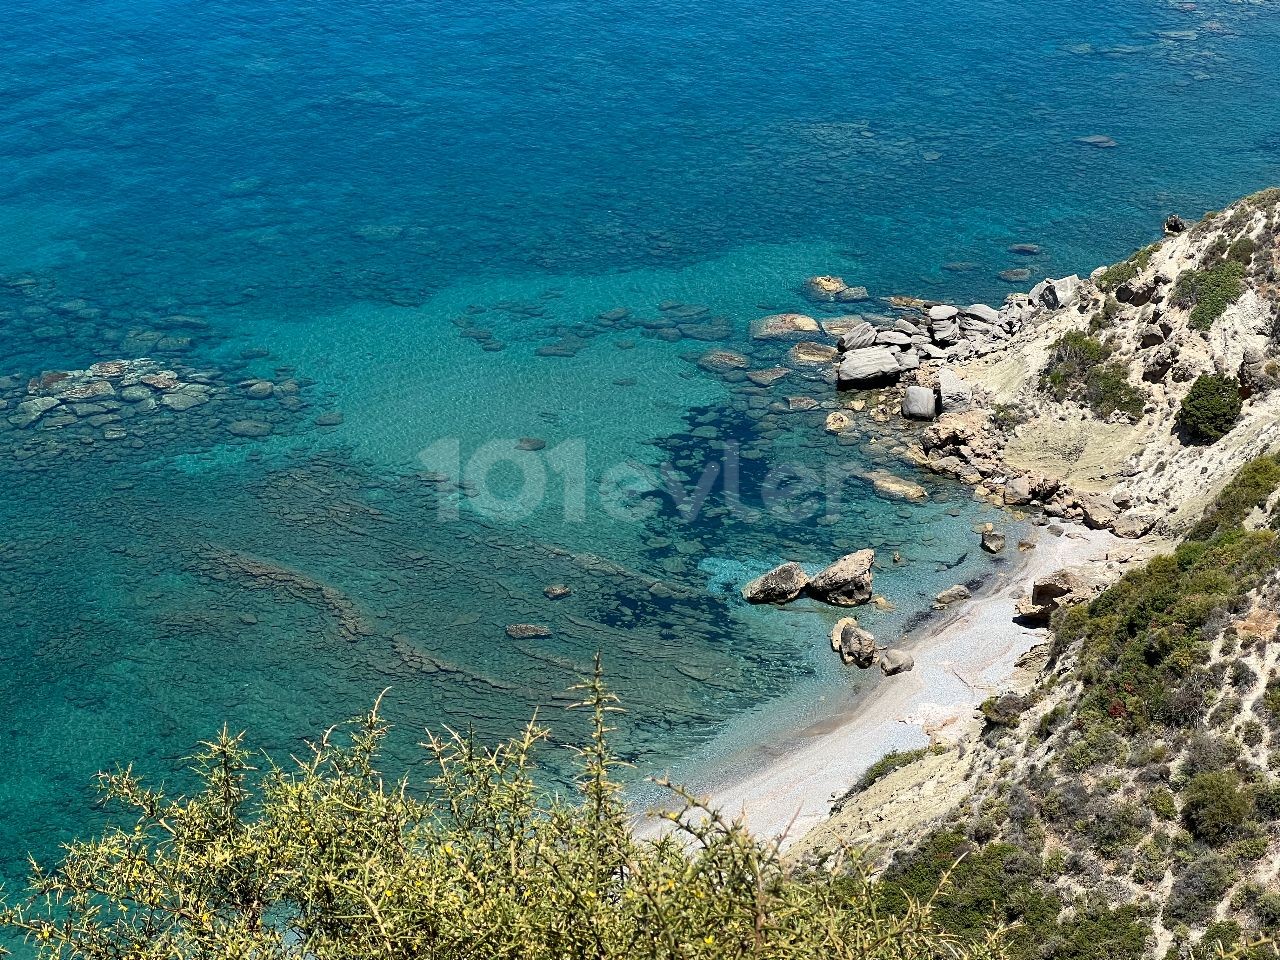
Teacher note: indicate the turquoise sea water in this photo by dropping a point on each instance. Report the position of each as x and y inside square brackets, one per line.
[415, 214]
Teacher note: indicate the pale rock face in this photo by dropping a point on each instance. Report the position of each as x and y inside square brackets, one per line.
[919, 403]
[942, 312]
[955, 394]
[860, 335]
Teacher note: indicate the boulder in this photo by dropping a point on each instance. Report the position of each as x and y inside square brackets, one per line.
[867, 365]
[893, 662]
[945, 332]
[782, 584]
[1017, 492]
[858, 336]
[1174, 224]
[893, 338]
[1133, 524]
[783, 326]
[919, 403]
[943, 312]
[982, 312]
[1056, 294]
[854, 644]
[1049, 594]
[992, 540]
[556, 591]
[1099, 510]
[824, 289]
[953, 594]
[847, 582]
[953, 393]
[908, 360]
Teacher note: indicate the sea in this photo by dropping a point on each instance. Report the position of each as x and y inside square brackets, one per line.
[424, 320]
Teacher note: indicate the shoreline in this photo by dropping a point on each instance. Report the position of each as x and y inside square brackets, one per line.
[784, 787]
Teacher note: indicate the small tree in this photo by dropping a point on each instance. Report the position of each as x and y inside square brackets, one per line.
[330, 861]
[1210, 408]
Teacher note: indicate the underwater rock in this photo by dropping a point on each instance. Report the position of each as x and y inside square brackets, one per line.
[527, 631]
[248, 428]
[783, 325]
[556, 591]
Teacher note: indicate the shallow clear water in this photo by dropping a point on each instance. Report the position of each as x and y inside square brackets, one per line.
[417, 213]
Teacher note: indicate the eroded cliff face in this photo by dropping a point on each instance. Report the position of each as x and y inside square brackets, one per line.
[1203, 300]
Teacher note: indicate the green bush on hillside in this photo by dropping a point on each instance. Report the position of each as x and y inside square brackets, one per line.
[1216, 807]
[1209, 291]
[329, 860]
[1078, 370]
[1210, 408]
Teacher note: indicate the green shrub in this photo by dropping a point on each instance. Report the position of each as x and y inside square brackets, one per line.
[1199, 888]
[1242, 251]
[1216, 807]
[1118, 274]
[1251, 487]
[328, 860]
[1208, 292]
[1162, 804]
[1210, 408]
[1078, 370]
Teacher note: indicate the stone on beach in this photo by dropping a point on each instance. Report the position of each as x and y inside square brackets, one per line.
[894, 662]
[953, 594]
[854, 644]
[992, 540]
[782, 584]
[847, 582]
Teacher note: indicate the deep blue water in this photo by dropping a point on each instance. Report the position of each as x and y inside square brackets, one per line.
[393, 206]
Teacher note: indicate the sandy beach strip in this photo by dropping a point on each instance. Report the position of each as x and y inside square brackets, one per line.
[784, 788]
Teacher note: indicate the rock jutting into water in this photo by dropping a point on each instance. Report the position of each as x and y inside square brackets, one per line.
[846, 582]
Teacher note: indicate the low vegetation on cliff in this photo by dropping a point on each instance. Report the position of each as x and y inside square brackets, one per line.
[327, 859]
[1130, 805]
